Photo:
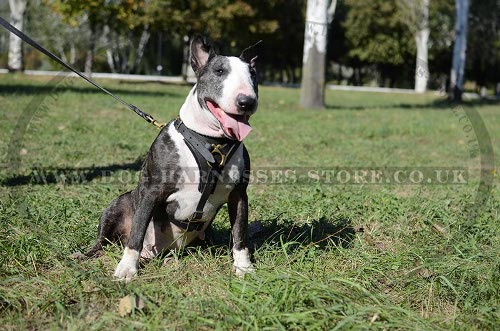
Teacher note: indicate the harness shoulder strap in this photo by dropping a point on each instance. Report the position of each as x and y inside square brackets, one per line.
[193, 141]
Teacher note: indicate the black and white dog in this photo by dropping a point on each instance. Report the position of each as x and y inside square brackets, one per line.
[173, 205]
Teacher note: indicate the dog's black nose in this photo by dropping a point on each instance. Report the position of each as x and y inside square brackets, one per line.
[245, 102]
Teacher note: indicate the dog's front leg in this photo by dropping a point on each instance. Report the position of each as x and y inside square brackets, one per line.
[127, 268]
[238, 215]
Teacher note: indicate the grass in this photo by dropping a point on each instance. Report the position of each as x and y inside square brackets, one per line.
[407, 257]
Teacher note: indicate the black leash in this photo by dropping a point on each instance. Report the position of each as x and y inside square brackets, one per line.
[34, 44]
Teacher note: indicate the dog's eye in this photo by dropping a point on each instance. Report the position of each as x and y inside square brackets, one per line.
[219, 72]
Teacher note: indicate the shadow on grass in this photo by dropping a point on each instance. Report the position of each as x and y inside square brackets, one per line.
[153, 82]
[440, 104]
[447, 104]
[69, 176]
[336, 107]
[19, 89]
[319, 233]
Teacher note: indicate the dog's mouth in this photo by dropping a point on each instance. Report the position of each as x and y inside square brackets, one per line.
[234, 126]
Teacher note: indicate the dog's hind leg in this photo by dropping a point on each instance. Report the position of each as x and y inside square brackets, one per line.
[115, 224]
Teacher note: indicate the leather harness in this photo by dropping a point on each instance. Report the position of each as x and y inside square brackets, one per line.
[211, 155]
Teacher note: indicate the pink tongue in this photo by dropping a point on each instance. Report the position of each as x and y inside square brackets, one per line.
[235, 126]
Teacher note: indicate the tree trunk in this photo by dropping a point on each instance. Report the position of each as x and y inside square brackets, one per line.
[15, 57]
[72, 53]
[459, 50]
[125, 54]
[116, 51]
[312, 92]
[331, 11]
[62, 54]
[89, 58]
[88, 61]
[422, 41]
[109, 59]
[143, 41]
[109, 48]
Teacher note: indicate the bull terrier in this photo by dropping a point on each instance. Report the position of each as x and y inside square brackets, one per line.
[196, 164]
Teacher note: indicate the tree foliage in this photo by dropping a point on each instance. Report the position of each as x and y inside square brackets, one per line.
[125, 13]
[376, 37]
[377, 33]
[484, 42]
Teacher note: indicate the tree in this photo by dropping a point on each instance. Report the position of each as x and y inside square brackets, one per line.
[94, 13]
[41, 26]
[338, 59]
[377, 34]
[271, 17]
[127, 32]
[312, 91]
[459, 50]
[441, 22]
[233, 25]
[418, 21]
[483, 55]
[123, 24]
[17, 10]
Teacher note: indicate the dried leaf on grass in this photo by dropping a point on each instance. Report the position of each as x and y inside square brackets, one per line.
[130, 303]
[440, 229]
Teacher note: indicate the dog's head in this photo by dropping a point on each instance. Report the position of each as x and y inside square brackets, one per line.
[226, 86]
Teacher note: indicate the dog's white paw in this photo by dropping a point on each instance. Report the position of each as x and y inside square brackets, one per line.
[125, 272]
[242, 271]
[127, 268]
[242, 264]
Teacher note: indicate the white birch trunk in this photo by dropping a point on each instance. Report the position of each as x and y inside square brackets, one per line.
[62, 54]
[15, 57]
[459, 50]
[312, 92]
[109, 48]
[109, 58]
[89, 57]
[72, 53]
[143, 41]
[331, 10]
[422, 41]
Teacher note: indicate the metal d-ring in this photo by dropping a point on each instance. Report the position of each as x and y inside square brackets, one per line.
[216, 150]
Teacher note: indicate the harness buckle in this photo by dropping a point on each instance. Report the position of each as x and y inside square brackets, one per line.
[216, 150]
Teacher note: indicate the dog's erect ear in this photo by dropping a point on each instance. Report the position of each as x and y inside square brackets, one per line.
[251, 53]
[201, 53]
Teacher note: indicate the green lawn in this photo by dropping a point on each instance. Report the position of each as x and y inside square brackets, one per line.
[328, 256]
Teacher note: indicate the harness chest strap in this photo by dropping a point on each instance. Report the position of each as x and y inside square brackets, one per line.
[211, 154]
